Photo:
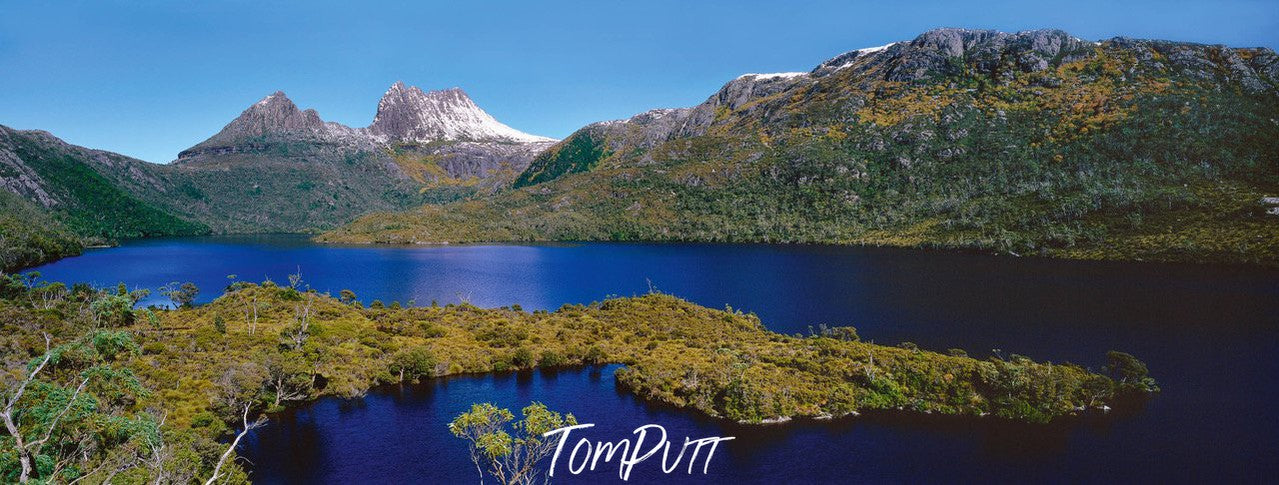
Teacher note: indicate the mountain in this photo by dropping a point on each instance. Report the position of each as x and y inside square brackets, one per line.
[1029, 142]
[445, 141]
[406, 114]
[279, 168]
[274, 168]
[274, 119]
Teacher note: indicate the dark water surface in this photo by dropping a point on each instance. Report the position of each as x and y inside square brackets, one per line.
[1209, 334]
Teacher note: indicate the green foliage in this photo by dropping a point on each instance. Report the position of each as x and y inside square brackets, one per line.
[414, 363]
[69, 402]
[580, 153]
[29, 235]
[346, 297]
[181, 294]
[847, 333]
[523, 358]
[507, 450]
[1131, 373]
[113, 310]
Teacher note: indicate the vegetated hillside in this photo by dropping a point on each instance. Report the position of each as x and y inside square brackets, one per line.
[59, 197]
[290, 187]
[164, 390]
[1029, 142]
[29, 235]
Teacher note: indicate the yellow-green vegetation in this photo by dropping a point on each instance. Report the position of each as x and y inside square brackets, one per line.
[1117, 152]
[181, 380]
[425, 169]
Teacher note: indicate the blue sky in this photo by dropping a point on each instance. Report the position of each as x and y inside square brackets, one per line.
[150, 78]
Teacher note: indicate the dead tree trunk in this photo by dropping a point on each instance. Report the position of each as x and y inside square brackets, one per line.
[226, 455]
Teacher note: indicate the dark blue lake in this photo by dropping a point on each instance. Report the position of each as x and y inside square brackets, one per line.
[1210, 335]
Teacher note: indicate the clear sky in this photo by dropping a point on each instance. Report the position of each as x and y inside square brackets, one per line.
[150, 78]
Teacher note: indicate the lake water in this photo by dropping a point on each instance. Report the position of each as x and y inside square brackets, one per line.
[1210, 335]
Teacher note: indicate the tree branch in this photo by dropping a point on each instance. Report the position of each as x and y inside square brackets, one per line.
[217, 469]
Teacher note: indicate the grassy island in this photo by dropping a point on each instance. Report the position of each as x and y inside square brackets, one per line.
[136, 394]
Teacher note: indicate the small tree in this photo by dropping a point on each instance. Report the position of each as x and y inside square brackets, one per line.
[413, 363]
[1129, 373]
[288, 376]
[182, 295]
[510, 452]
[346, 297]
[219, 324]
[112, 310]
[847, 333]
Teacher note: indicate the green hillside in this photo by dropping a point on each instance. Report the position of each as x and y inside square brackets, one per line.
[95, 206]
[61, 197]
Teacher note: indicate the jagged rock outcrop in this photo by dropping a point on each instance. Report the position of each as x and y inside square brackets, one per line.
[21, 154]
[442, 137]
[934, 53]
[275, 119]
[18, 177]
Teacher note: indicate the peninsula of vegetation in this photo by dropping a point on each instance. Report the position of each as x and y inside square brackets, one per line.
[97, 389]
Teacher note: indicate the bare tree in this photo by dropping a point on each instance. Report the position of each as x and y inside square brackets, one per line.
[295, 279]
[226, 455]
[302, 323]
[251, 305]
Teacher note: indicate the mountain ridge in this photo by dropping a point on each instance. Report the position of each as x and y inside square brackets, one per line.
[1026, 142]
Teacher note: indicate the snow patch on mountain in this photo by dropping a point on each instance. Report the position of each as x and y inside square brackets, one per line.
[775, 75]
[872, 50]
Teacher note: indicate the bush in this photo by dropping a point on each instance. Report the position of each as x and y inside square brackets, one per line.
[551, 358]
[413, 363]
[523, 358]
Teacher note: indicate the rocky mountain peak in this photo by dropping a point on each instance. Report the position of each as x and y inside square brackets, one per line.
[274, 116]
[408, 114]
